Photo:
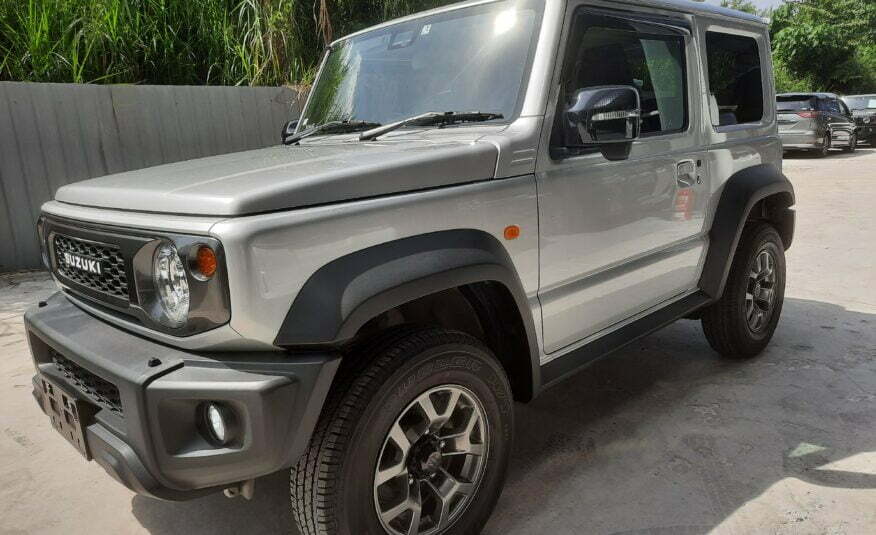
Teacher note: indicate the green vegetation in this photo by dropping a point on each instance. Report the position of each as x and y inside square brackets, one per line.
[224, 42]
[821, 45]
[827, 45]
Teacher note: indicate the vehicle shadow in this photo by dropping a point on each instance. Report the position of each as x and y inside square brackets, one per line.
[662, 437]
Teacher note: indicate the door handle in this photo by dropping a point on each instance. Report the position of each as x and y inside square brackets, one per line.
[686, 174]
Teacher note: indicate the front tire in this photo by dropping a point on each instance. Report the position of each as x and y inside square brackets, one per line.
[853, 144]
[742, 322]
[414, 439]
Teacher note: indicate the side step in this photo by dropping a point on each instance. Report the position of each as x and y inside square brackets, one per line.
[573, 362]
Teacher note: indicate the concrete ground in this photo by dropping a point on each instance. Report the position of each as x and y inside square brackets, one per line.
[662, 438]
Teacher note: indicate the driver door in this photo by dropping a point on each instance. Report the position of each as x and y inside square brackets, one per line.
[621, 237]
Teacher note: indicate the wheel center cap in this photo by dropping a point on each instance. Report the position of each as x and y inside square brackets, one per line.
[425, 457]
[432, 463]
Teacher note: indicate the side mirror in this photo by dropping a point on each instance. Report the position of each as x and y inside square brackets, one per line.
[288, 131]
[608, 117]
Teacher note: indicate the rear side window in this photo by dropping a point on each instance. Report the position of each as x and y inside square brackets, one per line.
[795, 103]
[735, 80]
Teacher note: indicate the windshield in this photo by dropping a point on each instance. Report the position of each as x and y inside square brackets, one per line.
[795, 103]
[860, 103]
[471, 59]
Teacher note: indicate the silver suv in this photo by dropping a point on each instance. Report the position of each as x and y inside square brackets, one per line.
[477, 202]
[815, 122]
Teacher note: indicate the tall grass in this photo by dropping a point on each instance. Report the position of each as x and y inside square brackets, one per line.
[224, 42]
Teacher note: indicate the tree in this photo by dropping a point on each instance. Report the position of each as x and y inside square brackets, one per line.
[741, 5]
[828, 45]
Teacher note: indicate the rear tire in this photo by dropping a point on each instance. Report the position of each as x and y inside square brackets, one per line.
[742, 322]
[377, 455]
[825, 146]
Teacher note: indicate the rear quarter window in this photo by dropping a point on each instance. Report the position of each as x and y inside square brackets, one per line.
[735, 79]
[795, 104]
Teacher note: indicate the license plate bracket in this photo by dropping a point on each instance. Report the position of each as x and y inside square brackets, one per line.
[69, 415]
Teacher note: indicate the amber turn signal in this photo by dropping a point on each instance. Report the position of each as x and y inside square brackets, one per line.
[205, 262]
[512, 232]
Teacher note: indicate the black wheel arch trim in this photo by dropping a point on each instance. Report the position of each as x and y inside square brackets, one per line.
[342, 296]
[742, 192]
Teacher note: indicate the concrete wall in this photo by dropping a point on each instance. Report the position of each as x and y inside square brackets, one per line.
[55, 134]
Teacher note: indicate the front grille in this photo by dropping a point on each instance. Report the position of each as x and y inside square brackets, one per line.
[98, 390]
[113, 279]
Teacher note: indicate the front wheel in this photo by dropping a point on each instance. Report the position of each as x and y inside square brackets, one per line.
[414, 439]
[742, 322]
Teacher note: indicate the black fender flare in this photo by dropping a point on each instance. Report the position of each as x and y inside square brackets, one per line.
[339, 298]
[741, 193]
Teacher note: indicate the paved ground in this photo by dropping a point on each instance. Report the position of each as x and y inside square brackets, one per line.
[663, 438]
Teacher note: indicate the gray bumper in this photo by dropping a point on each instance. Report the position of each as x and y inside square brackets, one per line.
[803, 140]
[148, 439]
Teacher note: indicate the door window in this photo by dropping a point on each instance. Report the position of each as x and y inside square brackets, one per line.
[611, 51]
[735, 80]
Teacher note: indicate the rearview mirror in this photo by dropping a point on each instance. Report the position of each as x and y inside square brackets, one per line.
[288, 131]
[604, 116]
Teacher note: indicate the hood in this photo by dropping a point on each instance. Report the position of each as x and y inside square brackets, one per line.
[280, 178]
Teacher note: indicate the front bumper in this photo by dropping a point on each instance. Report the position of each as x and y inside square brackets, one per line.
[866, 132]
[145, 398]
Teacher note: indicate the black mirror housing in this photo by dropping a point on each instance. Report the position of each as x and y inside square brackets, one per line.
[603, 116]
[288, 131]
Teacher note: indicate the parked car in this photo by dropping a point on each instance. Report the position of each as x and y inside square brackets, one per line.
[815, 122]
[477, 202]
[864, 113]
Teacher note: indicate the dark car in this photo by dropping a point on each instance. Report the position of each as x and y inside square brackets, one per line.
[864, 112]
[815, 121]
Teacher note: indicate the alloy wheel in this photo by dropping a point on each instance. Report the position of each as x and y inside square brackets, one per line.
[760, 293]
[432, 462]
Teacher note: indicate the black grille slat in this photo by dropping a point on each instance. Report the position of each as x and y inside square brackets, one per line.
[98, 390]
[112, 281]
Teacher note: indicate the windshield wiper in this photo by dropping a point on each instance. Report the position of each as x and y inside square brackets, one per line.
[431, 118]
[331, 127]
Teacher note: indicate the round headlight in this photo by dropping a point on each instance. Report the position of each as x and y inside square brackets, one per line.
[169, 275]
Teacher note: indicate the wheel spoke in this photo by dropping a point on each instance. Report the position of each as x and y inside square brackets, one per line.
[416, 502]
[393, 512]
[462, 445]
[390, 473]
[438, 419]
[397, 434]
[765, 297]
[446, 493]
